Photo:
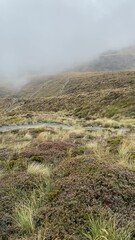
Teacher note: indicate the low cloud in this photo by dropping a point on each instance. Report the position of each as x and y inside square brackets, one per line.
[47, 36]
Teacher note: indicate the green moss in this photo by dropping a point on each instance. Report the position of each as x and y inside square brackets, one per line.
[81, 150]
[52, 195]
[37, 159]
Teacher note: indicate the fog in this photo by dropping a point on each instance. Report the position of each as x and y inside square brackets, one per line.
[48, 36]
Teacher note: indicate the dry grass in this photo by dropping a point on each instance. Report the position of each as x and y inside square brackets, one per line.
[111, 123]
[39, 170]
[58, 134]
[44, 136]
[125, 151]
[27, 137]
[106, 122]
[129, 122]
[101, 152]
[19, 146]
[92, 145]
[100, 134]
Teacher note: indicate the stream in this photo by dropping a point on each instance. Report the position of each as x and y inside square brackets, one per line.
[56, 125]
[35, 125]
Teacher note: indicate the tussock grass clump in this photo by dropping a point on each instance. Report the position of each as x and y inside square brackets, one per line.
[128, 122]
[44, 136]
[58, 134]
[107, 122]
[18, 147]
[26, 210]
[92, 145]
[39, 170]
[126, 153]
[103, 229]
[28, 137]
[23, 215]
[101, 152]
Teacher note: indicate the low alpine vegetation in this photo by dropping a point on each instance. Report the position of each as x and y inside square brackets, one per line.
[101, 228]
[23, 215]
[39, 170]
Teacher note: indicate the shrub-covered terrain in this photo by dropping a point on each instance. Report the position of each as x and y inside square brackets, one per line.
[80, 186]
[76, 183]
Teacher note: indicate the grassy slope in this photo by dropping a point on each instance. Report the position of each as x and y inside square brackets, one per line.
[123, 59]
[85, 94]
[92, 172]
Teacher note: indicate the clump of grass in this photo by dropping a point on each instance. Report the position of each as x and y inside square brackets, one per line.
[100, 151]
[18, 147]
[25, 212]
[105, 229]
[125, 153]
[128, 122]
[43, 136]
[39, 170]
[58, 134]
[92, 145]
[27, 209]
[105, 122]
[23, 215]
[27, 137]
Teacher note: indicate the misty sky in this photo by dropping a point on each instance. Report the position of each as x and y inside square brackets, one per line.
[52, 35]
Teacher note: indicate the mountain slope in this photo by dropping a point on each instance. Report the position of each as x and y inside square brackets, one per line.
[4, 91]
[84, 94]
[112, 61]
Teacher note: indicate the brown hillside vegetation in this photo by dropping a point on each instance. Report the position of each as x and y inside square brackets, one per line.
[84, 94]
[49, 189]
[76, 183]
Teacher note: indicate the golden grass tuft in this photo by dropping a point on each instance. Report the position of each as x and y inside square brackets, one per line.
[100, 152]
[44, 136]
[28, 137]
[39, 170]
[125, 151]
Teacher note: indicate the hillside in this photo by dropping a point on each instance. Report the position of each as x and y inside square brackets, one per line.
[4, 91]
[68, 184]
[76, 183]
[112, 61]
[83, 94]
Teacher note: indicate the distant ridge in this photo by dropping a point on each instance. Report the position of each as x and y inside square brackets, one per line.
[119, 60]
